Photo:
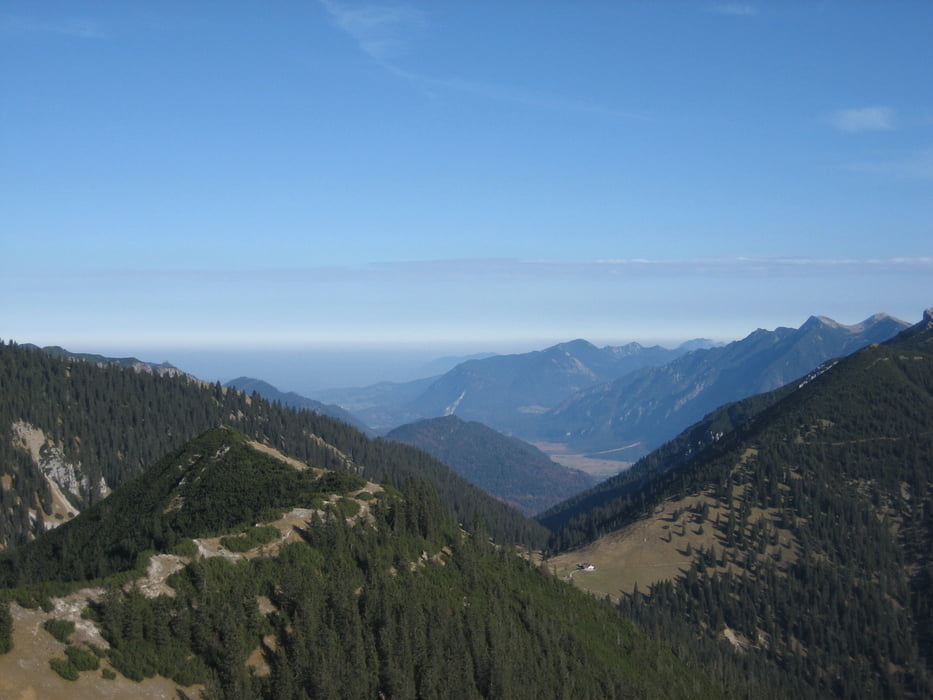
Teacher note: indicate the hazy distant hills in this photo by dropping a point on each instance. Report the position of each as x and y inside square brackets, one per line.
[248, 385]
[510, 392]
[795, 526]
[621, 401]
[642, 410]
[505, 467]
[439, 366]
[381, 406]
[506, 392]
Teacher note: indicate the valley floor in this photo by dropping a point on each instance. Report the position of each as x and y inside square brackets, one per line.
[600, 468]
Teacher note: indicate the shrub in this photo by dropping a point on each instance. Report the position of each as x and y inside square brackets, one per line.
[142, 559]
[60, 629]
[341, 481]
[264, 534]
[347, 507]
[185, 547]
[82, 659]
[237, 543]
[64, 669]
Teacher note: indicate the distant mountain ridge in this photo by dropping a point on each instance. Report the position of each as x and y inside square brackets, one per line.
[504, 467]
[644, 409]
[248, 385]
[381, 406]
[506, 392]
[510, 392]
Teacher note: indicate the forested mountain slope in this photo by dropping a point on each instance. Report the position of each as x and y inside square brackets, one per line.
[817, 511]
[639, 412]
[372, 593]
[214, 484]
[70, 431]
[133, 363]
[505, 467]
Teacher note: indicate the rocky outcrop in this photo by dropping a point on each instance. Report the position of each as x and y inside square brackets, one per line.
[64, 477]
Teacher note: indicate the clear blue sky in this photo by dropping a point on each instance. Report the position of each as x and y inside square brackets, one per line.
[484, 175]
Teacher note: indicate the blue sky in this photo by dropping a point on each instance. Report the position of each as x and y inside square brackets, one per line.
[466, 175]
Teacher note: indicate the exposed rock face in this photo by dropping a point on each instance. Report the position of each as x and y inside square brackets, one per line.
[51, 460]
[63, 476]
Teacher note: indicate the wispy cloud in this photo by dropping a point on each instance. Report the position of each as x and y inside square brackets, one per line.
[430, 272]
[78, 28]
[735, 9]
[862, 119]
[382, 31]
[385, 32]
[738, 266]
[906, 166]
[510, 94]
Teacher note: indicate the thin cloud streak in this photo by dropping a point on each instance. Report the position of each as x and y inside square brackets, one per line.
[80, 29]
[505, 269]
[911, 166]
[734, 9]
[383, 33]
[513, 95]
[863, 119]
[380, 31]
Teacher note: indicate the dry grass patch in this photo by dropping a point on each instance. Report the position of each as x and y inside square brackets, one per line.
[25, 673]
[600, 468]
[660, 548]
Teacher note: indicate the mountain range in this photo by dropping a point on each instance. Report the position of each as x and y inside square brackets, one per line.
[159, 527]
[614, 403]
[639, 412]
[506, 392]
[559, 398]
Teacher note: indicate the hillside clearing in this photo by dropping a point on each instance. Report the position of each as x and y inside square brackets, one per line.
[658, 548]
